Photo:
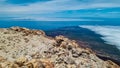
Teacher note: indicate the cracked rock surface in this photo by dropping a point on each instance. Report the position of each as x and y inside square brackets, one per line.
[25, 48]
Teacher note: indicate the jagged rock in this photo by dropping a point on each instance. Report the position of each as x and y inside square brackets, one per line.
[69, 60]
[20, 61]
[35, 63]
[47, 63]
[111, 64]
[65, 42]
[2, 59]
[18, 29]
[40, 51]
[27, 31]
[62, 65]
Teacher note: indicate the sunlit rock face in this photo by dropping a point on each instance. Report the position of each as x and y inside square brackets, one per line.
[25, 48]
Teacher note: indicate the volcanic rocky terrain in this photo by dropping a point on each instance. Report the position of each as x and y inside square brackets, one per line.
[25, 48]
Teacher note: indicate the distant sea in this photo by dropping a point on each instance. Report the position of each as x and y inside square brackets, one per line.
[101, 36]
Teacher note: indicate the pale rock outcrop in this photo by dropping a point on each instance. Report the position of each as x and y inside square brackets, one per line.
[25, 48]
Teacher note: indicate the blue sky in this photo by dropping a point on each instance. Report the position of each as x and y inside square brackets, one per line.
[59, 9]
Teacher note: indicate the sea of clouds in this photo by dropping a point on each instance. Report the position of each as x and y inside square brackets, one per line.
[111, 34]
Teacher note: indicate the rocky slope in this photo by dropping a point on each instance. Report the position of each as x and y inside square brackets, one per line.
[25, 48]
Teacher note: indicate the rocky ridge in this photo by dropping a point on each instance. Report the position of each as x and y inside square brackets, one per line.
[25, 48]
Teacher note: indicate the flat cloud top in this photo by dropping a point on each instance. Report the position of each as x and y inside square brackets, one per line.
[110, 33]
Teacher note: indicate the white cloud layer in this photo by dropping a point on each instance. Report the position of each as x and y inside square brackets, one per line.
[111, 34]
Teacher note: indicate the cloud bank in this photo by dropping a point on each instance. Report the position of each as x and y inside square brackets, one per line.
[110, 33]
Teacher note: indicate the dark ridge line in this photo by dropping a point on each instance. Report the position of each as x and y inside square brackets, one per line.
[108, 58]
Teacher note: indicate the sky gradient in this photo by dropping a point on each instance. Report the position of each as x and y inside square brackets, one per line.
[60, 9]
